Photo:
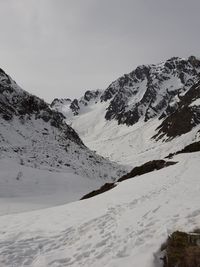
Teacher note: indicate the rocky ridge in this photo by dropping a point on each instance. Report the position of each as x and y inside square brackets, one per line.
[147, 92]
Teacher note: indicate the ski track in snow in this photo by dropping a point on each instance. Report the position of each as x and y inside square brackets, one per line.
[123, 226]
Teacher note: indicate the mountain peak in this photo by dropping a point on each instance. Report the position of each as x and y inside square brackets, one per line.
[148, 91]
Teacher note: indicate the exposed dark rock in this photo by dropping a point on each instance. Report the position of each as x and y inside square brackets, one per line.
[91, 95]
[176, 124]
[116, 107]
[182, 250]
[194, 147]
[194, 61]
[103, 189]
[57, 101]
[108, 93]
[184, 118]
[147, 167]
[75, 106]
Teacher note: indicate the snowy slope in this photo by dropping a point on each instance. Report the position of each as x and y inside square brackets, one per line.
[43, 162]
[34, 135]
[44, 165]
[122, 227]
[37, 144]
[119, 122]
[25, 188]
[132, 145]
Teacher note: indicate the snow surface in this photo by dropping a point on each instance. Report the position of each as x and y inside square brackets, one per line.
[37, 144]
[133, 145]
[34, 136]
[130, 145]
[41, 171]
[39, 168]
[195, 103]
[25, 188]
[122, 227]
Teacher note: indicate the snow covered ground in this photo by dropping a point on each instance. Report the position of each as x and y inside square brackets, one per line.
[43, 168]
[122, 227]
[25, 188]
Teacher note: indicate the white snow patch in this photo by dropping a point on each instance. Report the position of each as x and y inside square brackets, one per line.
[195, 103]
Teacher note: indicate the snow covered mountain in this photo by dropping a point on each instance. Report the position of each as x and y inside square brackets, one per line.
[149, 114]
[39, 137]
[126, 121]
[44, 157]
[147, 92]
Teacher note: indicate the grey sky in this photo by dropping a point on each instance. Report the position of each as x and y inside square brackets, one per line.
[60, 48]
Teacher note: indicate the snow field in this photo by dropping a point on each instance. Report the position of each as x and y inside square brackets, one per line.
[124, 226]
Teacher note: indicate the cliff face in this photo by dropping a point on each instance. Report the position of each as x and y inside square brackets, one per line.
[185, 117]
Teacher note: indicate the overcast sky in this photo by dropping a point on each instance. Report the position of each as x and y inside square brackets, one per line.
[61, 48]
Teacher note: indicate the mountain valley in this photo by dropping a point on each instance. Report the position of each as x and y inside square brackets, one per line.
[103, 180]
